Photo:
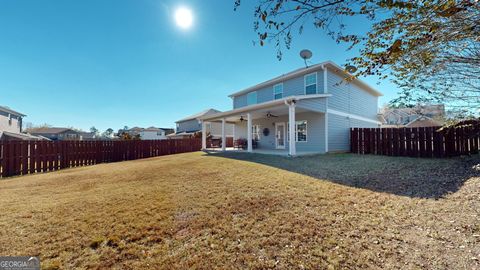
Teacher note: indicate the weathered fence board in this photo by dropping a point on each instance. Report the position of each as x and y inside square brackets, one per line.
[416, 142]
[28, 157]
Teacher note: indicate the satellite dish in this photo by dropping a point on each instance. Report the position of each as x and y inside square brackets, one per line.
[351, 69]
[305, 55]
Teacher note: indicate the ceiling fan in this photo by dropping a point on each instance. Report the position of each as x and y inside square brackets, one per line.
[269, 115]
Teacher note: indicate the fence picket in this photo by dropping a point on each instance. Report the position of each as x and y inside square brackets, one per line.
[416, 142]
[28, 157]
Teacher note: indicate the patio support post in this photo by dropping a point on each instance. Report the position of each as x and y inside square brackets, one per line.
[291, 126]
[249, 132]
[204, 135]
[224, 141]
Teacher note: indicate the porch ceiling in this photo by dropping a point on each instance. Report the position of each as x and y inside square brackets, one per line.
[258, 111]
[262, 113]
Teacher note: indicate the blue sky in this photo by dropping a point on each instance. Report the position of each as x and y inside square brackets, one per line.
[113, 63]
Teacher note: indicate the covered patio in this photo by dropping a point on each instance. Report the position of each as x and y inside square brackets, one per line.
[281, 114]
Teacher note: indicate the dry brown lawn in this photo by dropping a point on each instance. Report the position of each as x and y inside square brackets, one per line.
[203, 211]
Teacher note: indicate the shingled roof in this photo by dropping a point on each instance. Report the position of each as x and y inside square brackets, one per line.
[49, 130]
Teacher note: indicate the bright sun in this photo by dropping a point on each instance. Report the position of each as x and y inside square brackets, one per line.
[183, 17]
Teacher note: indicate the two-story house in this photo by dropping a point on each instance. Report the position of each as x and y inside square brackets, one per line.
[309, 110]
[154, 133]
[150, 133]
[188, 126]
[11, 126]
[10, 120]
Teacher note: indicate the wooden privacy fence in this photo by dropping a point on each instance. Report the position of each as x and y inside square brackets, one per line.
[27, 157]
[416, 142]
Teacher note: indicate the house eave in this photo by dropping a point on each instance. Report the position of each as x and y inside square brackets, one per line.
[260, 106]
[10, 111]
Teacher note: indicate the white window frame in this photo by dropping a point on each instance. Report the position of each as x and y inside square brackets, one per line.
[284, 135]
[257, 133]
[305, 83]
[296, 131]
[274, 94]
[256, 98]
[306, 131]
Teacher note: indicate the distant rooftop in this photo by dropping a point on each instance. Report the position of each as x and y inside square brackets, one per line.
[49, 130]
[198, 115]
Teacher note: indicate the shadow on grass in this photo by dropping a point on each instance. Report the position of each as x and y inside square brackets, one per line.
[412, 177]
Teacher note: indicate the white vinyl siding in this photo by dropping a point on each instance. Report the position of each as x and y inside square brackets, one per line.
[252, 98]
[278, 91]
[311, 84]
[349, 98]
[291, 87]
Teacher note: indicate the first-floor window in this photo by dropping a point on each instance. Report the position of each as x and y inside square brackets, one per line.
[256, 132]
[300, 131]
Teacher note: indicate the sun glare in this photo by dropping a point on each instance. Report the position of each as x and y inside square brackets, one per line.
[184, 17]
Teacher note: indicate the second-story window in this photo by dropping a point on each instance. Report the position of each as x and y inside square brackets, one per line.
[252, 98]
[278, 91]
[311, 84]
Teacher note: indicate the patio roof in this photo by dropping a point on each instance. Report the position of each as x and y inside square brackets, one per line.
[277, 106]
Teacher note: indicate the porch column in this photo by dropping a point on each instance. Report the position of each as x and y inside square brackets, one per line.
[249, 132]
[292, 151]
[204, 135]
[224, 140]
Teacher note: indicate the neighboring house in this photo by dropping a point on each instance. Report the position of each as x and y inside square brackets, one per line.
[418, 116]
[9, 136]
[424, 121]
[190, 125]
[154, 133]
[315, 106]
[89, 136]
[57, 133]
[11, 126]
[151, 133]
[10, 120]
